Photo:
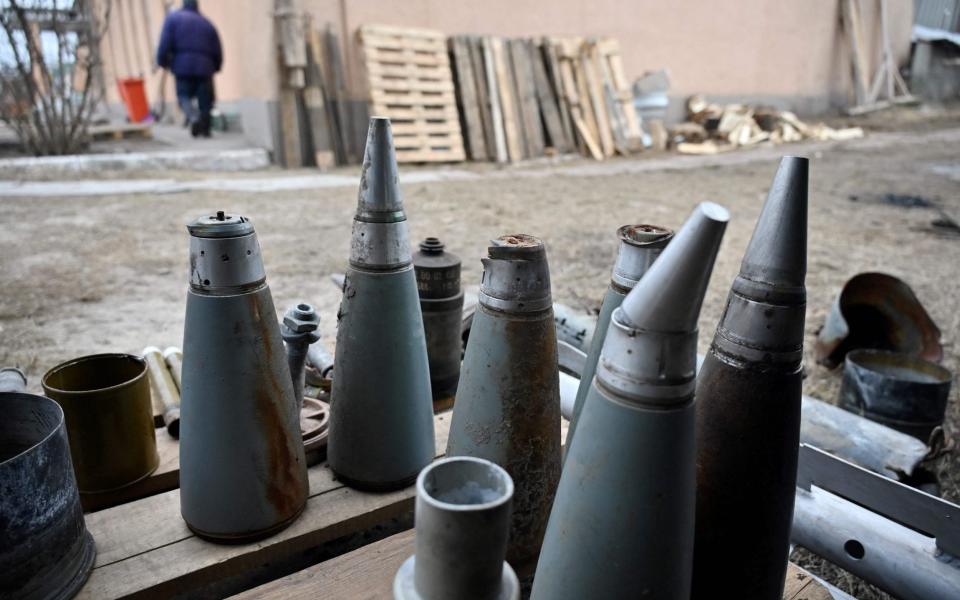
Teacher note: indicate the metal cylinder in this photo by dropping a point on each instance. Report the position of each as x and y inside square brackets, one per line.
[45, 549]
[748, 404]
[640, 245]
[904, 392]
[381, 413]
[441, 302]
[243, 473]
[12, 379]
[622, 522]
[462, 524]
[508, 401]
[174, 359]
[163, 391]
[106, 403]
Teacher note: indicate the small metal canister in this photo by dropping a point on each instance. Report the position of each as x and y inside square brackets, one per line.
[441, 302]
[106, 400]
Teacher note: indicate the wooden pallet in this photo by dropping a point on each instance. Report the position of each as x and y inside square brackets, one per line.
[119, 131]
[410, 81]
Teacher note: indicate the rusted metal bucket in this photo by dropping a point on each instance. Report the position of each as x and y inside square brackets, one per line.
[106, 400]
[904, 392]
[45, 549]
[876, 310]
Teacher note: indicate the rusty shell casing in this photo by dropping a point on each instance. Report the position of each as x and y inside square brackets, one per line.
[640, 245]
[163, 390]
[622, 522]
[45, 548]
[242, 469]
[748, 404]
[106, 403]
[508, 401]
[381, 412]
[441, 302]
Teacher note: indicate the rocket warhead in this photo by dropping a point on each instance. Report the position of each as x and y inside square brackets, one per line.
[650, 350]
[765, 311]
[224, 255]
[379, 240]
[640, 245]
[516, 277]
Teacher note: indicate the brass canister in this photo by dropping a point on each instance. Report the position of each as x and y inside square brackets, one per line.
[106, 401]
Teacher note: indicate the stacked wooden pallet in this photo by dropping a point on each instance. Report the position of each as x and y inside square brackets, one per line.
[409, 80]
[522, 98]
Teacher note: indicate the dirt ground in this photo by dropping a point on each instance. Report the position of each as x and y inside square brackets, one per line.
[108, 274]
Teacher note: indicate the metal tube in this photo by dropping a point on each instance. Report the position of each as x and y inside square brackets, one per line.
[243, 474]
[12, 379]
[441, 302]
[45, 548]
[381, 411]
[174, 359]
[508, 402]
[622, 521]
[463, 521]
[163, 391]
[748, 404]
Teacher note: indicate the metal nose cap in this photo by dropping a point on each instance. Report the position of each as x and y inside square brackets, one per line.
[669, 296]
[379, 197]
[220, 225]
[777, 252]
[640, 245]
[516, 276]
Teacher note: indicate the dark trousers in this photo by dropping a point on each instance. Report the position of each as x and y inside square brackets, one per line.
[201, 90]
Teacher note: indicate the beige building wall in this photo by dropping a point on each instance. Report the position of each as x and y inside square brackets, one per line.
[788, 52]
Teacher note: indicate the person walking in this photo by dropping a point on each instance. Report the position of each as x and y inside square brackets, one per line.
[190, 48]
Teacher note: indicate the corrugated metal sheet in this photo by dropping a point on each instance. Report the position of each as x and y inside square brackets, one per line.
[939, 14]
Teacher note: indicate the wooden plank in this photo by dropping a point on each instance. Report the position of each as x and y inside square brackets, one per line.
[610, 52]
[337, 94]
[406, 57]
[589, 63]
[367, 574]
[290, 128]
[496, 114]
[467, 98]
[526, 98]
[552, 65]
[507, 101]
[851, 26]
[475, 46]
[145, 548]
[567, 53]
[408, 32]
[546, 99]
[314, 99]
[393, 85]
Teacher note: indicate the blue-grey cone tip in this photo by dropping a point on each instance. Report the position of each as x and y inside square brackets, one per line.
[669, 295]
[777, 252]
[379, 182]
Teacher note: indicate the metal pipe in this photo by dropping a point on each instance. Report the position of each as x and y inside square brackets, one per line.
[622, 521]
[12, 379]
[174, 359]
[508, 402]
[163, 390]
[243, 474]
[381, 411]
[462, 524]
[299, 331]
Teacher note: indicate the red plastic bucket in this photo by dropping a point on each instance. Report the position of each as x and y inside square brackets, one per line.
[134, 97]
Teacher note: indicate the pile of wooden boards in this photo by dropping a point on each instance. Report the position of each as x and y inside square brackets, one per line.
[316, 124]
[409, 80]
[711, 128]
[523, 98]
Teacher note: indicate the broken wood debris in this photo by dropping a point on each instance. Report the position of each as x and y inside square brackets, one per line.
[711, 128]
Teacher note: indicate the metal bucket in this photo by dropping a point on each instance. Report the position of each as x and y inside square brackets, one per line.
[900, 391]
[45, 549]
[106, 400]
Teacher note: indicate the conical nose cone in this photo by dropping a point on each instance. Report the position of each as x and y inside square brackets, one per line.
[669, 296]
[777, 254]
[379, 183]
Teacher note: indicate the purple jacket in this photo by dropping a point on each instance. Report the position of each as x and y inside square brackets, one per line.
[189, 45]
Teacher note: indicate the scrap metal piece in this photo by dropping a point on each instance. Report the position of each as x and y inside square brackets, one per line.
[876, 310]
[163, 390]
[898, 538]
[640, 245]
[904, 392]
[508, 402]
[106, 404]
[462, 524]
[45, 548]
[12, 379]
[441, 302]
[748, 404]
[299, 331]
[319, 366]
[174, 359]
[622, 522]
[243, 474]
[381, 411]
